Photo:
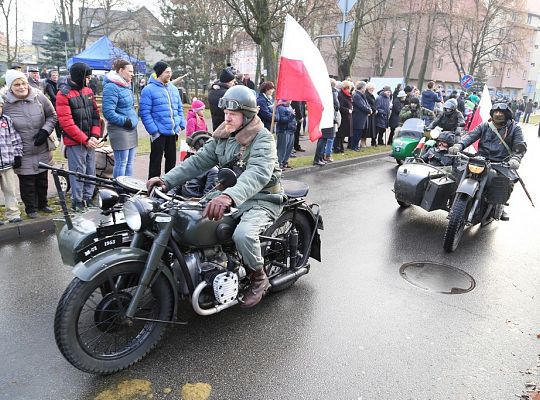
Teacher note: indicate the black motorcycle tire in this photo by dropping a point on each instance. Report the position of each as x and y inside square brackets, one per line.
[399, 161]
[279, 229]
[456, 223]
[70, 308]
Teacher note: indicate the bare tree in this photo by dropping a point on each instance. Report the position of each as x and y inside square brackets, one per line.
[263, 20]
[10, 13]
[430, 10]
[487, 32]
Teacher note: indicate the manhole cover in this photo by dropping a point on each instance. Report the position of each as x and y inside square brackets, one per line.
[438, 278]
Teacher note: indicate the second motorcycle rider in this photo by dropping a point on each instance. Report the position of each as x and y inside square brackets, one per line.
[243, 144]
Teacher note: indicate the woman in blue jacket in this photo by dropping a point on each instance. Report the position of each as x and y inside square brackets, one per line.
[266, 103]
[119, 111]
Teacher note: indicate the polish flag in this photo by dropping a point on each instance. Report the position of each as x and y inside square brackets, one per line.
[482, 112]
[303, 76]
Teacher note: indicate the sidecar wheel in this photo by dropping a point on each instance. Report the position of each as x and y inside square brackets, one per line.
[89, 326]
[456, 224]
[275, 256]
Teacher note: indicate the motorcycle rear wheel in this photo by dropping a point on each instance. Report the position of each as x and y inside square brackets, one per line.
[274, 252]
[456, 224]
[90, 330]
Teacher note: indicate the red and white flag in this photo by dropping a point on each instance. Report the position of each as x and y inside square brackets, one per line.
[482, 112]
[303, 76]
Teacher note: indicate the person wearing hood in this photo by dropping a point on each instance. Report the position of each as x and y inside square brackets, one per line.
[162, 114]
[122, 120]
[34, 118]
[501, 138]
[195, 118]
[79, 119]
[216, 92]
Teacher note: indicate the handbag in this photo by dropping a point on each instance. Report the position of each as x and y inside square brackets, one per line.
[52, 141]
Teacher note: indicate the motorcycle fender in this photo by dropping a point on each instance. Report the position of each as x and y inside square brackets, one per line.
[86, 271]
[315, 251]
[468, 186]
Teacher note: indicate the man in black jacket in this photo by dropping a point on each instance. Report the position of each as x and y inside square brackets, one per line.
[216, 92]
[50, 91]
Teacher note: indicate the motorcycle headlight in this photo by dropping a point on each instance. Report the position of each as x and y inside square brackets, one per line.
[107, 198]
[476, 169]
[137, 213]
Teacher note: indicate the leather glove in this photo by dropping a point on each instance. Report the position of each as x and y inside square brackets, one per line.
[155, 181]
[217, 207]
[17, 162]
[455, 149]
[128, 124]
[40, 137]
[514, 163]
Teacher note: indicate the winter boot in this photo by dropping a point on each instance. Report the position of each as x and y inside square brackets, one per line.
[257, 288]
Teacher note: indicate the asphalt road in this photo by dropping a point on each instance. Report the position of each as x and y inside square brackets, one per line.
[352, 328]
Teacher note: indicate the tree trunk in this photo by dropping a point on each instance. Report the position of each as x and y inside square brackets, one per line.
[268, 56]
[425, 58]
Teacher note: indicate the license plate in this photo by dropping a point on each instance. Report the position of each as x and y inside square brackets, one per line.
[100, 246]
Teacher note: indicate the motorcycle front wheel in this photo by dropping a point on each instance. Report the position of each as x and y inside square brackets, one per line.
[275, 255]
[90, 328]
[456, 223]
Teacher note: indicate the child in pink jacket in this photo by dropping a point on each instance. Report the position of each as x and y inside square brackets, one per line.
[195, 118]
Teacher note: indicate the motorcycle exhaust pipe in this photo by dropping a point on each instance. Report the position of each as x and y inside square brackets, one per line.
[207, 311]
[286, 278]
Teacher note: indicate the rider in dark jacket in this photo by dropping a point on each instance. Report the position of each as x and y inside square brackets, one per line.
[438, 155]
[511, 148]
[450, 119]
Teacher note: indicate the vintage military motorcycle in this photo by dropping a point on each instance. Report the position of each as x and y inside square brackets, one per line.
[121, 301]
[482, 192]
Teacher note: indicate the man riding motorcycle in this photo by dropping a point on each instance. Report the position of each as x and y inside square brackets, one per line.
[450, 119]
[242, 143]
[500, 138]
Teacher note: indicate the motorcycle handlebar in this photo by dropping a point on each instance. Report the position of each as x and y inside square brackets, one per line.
[78, 175]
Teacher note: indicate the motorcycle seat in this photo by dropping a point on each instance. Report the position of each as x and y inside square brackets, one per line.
[294, 189]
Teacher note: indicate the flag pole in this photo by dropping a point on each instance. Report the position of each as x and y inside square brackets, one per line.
[276, 85]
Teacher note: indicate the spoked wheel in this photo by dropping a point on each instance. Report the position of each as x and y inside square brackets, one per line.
[456, 224]
[90, 326]
[276, 259]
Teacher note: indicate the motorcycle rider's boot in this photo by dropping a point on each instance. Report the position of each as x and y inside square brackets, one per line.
[505, 216]
[257, 288]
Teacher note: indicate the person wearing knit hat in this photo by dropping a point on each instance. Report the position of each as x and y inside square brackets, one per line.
[216, 92]
[162, 115]
[160, 67]
[226, 76]
[12, 75]
[195, 118]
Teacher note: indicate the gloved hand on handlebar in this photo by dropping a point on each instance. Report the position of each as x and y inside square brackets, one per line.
[217, 207]
[455, 149]
[514, 163]
[156, 181]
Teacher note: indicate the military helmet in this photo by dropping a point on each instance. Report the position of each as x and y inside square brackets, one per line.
[448, 137]
[503, 106]
[239, 98]
[450, 104]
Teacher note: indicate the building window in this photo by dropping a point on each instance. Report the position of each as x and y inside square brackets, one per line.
[508, 73]
[439, 63]
[391, 63]
[533, 64]
[529, 19]
[524, 74]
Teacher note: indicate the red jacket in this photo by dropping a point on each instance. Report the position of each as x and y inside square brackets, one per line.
[78, 115]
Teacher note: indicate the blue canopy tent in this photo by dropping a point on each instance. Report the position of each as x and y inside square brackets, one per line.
[102, 54]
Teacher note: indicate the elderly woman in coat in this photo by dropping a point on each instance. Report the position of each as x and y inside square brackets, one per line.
[371, 131]
[397, 104]
[360, 114]
[345, 108]
[33, 116]
[383, 113]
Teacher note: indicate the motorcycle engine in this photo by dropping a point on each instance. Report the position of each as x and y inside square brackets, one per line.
[226, 287]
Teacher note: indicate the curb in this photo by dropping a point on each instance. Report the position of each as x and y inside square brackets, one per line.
[26, 229]
[29, 228]
[336, 164]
